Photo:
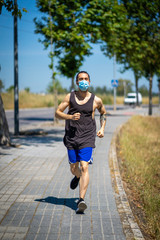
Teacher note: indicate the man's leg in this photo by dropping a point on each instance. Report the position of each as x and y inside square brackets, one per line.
[80, 174]
[75, 170]
[84, 179]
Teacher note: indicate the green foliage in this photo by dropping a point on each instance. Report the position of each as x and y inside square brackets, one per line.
[144, 34]
[107, 99]
[58, 86]
[50, 104]
[124, 87]
[120, 89]
[27, 89]
[10, 89]
[101, 90]
[65, 28]
[130, 30]
[143, 90]
[11, 7]
[69, 64]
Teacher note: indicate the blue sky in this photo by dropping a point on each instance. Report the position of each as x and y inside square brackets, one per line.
[33, 59]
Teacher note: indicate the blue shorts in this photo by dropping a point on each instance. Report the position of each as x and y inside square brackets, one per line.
[77, 155]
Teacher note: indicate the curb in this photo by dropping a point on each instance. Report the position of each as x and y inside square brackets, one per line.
[130, 226]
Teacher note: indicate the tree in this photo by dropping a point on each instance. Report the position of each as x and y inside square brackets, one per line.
[11, 7]
[143, 90]
[4, 130]
[133, 62]
[115, 31]
[45, 28]
[144, 19]
[145, 16]
[159, 90]
[124, 87]
[58, 86]
[1, 85]
[130, 30]
[63, 31]
[69, 65]
[10, 89]
[27, 89]
[68, 32]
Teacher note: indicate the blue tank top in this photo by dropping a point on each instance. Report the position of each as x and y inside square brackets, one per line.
[81, 133]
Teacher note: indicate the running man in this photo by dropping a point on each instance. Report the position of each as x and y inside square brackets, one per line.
[80, 132]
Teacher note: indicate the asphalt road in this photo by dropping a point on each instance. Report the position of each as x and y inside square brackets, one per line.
[30, 117]
[34, 117]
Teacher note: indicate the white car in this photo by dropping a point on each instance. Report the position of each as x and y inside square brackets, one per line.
[131, 99]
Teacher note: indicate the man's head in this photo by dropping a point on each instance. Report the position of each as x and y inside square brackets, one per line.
[83, 81]
[82, 75]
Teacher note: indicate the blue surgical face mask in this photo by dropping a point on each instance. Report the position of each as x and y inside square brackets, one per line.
[83, 85]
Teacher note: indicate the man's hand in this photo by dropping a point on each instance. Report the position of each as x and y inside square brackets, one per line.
[100, 133]
[76, 116]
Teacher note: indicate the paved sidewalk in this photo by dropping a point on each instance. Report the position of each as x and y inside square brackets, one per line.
[36, 201]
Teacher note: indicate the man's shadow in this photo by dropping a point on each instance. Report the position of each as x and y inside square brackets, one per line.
[68, 202]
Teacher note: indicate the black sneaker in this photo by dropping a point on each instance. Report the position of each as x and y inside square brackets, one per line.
[74, 182]
[81, 206]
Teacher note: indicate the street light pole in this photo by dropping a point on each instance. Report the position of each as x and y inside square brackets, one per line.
[114, 77]
[16, 90]
[124, 86]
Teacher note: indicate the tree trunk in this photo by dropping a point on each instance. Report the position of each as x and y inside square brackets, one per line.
[150, 96]
[159, 90]
[72, 84]
[4, 130]
[55, 105]
[136, 80]
[55, 119]
[16, 89]
[159, 98]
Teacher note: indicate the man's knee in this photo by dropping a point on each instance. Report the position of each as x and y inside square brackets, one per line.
[73, 168]
[84, 167]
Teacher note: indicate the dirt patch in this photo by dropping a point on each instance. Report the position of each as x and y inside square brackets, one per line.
[33, 133]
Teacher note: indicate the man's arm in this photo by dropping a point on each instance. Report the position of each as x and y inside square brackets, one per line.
[103, 117]
[60, 110]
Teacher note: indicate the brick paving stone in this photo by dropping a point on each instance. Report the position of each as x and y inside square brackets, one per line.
[19, 236]
[53, 236]
[8, 236]
[1, 235]
[41, 236]
[30, 236]
[33, 229]
[109, 237]
[120, 237]
[3, 229]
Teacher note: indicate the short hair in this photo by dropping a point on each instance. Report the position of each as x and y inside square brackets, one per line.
[81, 72]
